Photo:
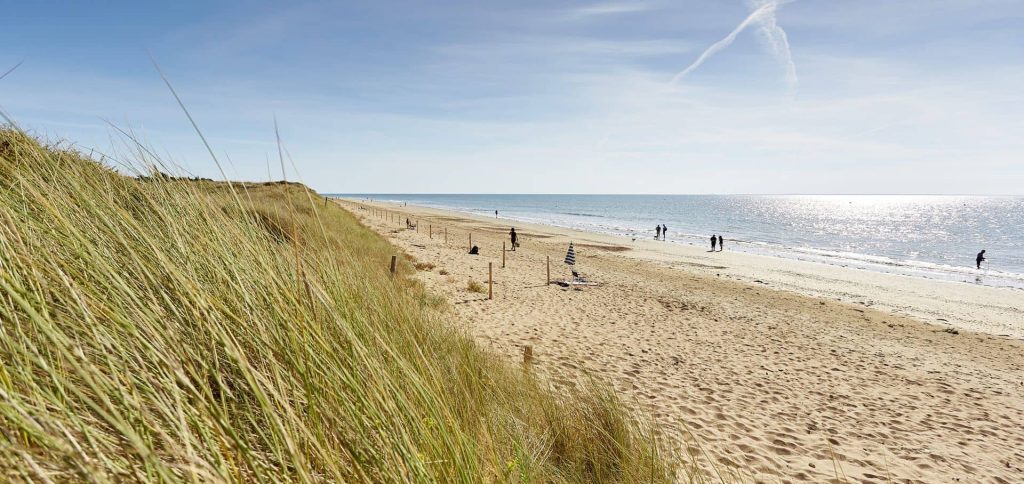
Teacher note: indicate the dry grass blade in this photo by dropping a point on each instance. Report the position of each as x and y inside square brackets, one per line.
[161, 330]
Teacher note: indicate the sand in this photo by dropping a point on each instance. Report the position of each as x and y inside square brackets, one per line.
[783, 369]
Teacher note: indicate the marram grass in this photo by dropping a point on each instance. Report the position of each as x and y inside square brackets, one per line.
[165, 330]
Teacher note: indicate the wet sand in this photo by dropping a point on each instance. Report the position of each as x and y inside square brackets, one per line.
[776, 367]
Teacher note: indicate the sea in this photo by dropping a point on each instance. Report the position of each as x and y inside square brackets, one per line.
[929, 236]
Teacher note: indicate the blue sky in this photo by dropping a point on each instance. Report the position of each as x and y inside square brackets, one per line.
[810, 96]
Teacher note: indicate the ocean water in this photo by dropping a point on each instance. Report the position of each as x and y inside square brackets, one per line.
[923, 236]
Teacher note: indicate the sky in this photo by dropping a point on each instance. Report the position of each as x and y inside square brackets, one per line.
[703, 96]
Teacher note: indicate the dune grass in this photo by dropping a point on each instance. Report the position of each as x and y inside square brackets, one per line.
[164, 330]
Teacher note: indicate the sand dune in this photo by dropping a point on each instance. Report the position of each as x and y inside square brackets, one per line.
[735, 354]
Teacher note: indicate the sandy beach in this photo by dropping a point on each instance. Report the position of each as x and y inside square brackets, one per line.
[783, 369]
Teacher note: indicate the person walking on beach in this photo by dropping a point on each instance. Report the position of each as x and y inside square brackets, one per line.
[515, 238]
[714, 240]
[657, 232]
[664, 232]
[721, 243]
[495, 214]
[980, 258]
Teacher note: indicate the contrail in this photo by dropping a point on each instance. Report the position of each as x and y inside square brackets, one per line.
[12, 69]
[773, 35]
[777, 41]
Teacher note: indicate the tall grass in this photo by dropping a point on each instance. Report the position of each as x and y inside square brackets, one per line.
[164, 330]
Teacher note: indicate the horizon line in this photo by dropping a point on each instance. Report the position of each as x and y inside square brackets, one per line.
[691, 194]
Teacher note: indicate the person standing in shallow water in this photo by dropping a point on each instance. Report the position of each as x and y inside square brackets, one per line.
[721, 243]
[664, 232]
[714, 240]
[515, 238]
[981, 257]
[657, 232]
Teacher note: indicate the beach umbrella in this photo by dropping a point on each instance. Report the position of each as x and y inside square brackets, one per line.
[570, 256]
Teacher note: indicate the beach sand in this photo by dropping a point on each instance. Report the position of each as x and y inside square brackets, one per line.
[786, 370]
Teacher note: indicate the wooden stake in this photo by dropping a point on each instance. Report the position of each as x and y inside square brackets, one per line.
[490, 280]
[446, 236]
[471, 240]
[549, 270]
[394, 263]
[502, 255]
[431, 229]
[527, 354]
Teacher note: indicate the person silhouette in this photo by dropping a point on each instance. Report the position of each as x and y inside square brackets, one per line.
[657, 232]
[721, 243]
[714, 240]
[515, 238]
[664, 232]
[980, 258]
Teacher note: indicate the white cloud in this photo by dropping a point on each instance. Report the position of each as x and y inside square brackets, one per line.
[612, 8]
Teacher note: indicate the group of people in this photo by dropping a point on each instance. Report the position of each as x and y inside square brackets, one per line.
[660, 232]
[717, 240]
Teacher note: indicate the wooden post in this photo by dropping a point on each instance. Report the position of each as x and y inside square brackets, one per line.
[446, 236]
[527, 354]
[417, 226]
[394, 264]
[549, 270]
[471, 240]
[490, 280]
[502, 255]
[431, 229]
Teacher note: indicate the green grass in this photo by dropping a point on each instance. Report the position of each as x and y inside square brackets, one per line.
[165, 330]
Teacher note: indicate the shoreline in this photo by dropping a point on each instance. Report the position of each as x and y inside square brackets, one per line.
[744, 376]
[992, 310]
[880, 263]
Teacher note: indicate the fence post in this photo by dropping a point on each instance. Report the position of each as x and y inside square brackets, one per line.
[431, 229]
[446, 236]
[394, 263]
[490, 280]
[502, 255]
[471, 240]
[549, 270]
